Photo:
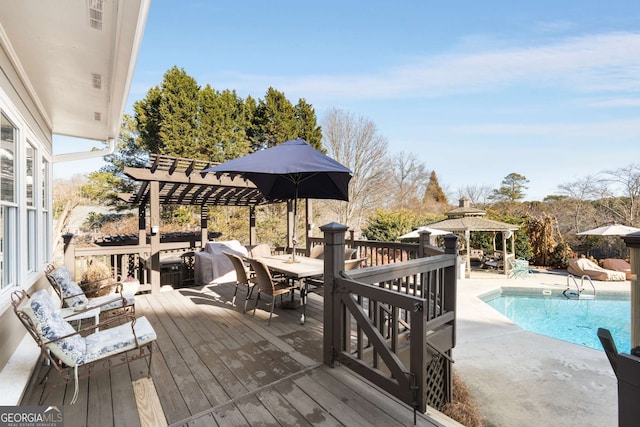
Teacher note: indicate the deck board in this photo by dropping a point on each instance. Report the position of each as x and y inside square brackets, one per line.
[215, 365]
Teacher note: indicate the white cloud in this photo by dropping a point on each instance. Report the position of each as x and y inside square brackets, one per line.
[605, 62]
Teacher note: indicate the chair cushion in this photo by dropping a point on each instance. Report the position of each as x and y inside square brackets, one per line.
[51, 325]
[71, 293]
[116, 301]
[112, 341]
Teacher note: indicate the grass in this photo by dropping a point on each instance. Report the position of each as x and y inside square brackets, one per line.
[464, 409]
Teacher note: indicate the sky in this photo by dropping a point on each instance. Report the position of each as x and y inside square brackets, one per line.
[475, 90]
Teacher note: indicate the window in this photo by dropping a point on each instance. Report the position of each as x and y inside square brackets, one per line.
[32, 245]
[8, 208]
[45, 235]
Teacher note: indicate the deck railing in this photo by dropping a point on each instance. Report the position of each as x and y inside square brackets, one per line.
[393, 324]
[382, 253]
[130, 261]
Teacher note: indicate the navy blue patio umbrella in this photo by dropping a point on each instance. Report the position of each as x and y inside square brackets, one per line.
[291, 170]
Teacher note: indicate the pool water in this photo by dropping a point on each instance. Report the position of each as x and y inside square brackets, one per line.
[572, 320]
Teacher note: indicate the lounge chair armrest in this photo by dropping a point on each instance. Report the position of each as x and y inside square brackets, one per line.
[101, 325]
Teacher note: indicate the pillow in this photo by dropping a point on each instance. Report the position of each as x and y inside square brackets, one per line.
[51, 325]
[72, 294]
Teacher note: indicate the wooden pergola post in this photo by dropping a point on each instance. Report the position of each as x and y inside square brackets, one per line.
[154, 206]
[204, 218]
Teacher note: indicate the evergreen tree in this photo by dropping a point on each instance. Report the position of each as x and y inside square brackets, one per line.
[104, 185]
[275, 121]
[179, 108]
[222, 126]
[309, 129]
[148, 119]
[434, 194]
[512, 188]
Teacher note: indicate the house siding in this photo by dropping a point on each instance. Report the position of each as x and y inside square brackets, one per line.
[15, 98]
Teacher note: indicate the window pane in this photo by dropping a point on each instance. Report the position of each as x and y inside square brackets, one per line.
[31, 240]
[45, 183]
[45, 245]
[30, 174]
[7, 159]
[8, 226]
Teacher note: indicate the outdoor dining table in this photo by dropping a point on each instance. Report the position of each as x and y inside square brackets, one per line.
[302, 269]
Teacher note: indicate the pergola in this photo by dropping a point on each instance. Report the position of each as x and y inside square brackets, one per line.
[169, 180]
[465, 219]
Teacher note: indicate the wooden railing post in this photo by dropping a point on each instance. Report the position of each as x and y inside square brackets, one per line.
[69, 249]
[334, 243]
[424, 238]
[632, 241]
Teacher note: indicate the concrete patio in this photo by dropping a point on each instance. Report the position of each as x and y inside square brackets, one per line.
[522, 378]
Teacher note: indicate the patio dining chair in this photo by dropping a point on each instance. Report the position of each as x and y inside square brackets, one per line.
[76, 354]
[268, 285]
[243, 278]
[73, 295]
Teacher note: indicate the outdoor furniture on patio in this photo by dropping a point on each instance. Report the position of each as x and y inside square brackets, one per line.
[267, 285]
[318, 252]
[301, 269]
[618, 265]
[73, 295]
[583, 267]
[74, 355]
[352, 264]
[211, 265]
[243, 275]
[519, 268]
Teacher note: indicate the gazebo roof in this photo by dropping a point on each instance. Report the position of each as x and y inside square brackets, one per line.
[181, 182]
[465, 217]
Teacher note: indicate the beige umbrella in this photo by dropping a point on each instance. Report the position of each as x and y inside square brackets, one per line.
[416, 233]
[610, 230]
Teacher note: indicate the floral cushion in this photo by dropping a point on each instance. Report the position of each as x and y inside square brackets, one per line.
[51, 325]
[71, 293]
[112, 341]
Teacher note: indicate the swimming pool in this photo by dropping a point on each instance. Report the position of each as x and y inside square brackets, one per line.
[572, 320]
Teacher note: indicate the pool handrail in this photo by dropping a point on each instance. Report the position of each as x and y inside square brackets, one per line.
[579, 289]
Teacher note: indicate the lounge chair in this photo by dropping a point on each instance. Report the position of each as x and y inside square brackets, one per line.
[584, 267]
[73, 354]
[618, 265]
[73, 295]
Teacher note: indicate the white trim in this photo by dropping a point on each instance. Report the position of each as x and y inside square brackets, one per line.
[15, 375]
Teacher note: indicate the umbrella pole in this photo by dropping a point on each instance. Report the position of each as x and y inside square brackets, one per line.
[295, 227]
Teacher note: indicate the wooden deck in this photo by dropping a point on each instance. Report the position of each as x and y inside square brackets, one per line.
[213, 365]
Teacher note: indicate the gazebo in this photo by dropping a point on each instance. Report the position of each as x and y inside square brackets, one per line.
[466, 219]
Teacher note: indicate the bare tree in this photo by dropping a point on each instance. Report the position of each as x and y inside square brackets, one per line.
[355, 142]
[580, 193]
[478, 195]
[625, 191]
[409, 177]
[66, 195]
